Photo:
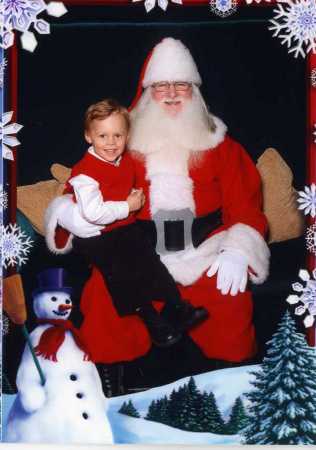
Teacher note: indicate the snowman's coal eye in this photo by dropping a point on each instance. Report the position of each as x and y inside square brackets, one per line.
[54, 299]
[67, 301]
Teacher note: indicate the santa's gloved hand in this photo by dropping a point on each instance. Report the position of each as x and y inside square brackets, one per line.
[33, 398]
[232, 272]
[71, 219]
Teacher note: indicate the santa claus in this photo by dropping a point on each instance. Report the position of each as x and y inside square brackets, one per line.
[202, 213]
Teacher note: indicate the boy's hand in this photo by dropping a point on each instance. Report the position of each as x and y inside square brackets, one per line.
[135, 200]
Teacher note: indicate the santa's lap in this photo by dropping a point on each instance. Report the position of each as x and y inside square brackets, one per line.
[228, 333]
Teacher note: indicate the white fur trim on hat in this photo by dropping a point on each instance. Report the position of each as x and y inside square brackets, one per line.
[171, 61]
[247, 241]
[51, 223]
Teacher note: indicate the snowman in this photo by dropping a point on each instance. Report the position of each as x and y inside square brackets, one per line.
[70, 406]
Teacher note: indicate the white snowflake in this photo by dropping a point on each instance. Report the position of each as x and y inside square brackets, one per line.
[21, 14]
[307, 200]
[297, 25]
[163, 4]
[223, 8]
[6, 130]
[307, 297]
[313, 77]
[311, 238]
[3, 198]
[314, 133]
[5, 325]
[3, 65]
[257, 1]
[15, 245]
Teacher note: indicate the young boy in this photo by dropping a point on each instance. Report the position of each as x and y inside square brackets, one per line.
[102, 184]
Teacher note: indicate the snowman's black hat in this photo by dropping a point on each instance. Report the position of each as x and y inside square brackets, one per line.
[53, 279]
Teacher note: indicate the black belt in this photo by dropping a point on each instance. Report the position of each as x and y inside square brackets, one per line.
[174, 230]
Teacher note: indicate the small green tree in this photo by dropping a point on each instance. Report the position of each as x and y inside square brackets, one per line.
[209, 417]
[152, 413]
[129, 409]
[238, 418]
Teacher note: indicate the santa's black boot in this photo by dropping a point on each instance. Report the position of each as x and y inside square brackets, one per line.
[161, 332]
[112, 378]
[185, 316]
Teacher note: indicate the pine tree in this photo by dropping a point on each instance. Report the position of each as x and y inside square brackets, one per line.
[190, 412]
[152, 413]
[163, 410]
[129, 409]
[123, 408]
[283, 401]
[238, 418]
[209, 417]
[175, 409]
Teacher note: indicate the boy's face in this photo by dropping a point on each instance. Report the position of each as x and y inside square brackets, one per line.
[108, 136]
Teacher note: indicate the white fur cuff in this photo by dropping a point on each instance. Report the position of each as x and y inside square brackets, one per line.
[52, 213]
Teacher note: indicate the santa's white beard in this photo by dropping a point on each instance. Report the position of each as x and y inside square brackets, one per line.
[171, 145]
[155, 130]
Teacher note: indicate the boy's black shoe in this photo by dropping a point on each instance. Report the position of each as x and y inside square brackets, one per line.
[161, 332]
[185, 316]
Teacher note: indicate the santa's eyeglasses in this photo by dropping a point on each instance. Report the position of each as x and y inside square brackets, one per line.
[164, 86]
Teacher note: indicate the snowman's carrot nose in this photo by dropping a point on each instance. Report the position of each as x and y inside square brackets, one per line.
[63, 308]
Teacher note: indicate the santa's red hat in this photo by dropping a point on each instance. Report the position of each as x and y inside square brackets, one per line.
[170, 60]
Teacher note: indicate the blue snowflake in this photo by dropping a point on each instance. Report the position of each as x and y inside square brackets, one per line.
[223, 8]
[307, 296]
[297, 25]
[21, 14]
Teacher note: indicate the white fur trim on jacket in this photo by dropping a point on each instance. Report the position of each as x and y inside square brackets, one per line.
[188, 266]
[247, 241]
[51, 222]
[171, 61]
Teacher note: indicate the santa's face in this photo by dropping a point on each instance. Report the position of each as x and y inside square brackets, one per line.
[172, 97]
[52, 305]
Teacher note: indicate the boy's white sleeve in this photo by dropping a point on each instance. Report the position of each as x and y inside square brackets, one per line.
[91, 204]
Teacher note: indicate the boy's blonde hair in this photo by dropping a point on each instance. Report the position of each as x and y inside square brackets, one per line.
[103, 109]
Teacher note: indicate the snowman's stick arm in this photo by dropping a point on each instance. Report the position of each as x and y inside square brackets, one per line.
[14, 306]
[35, 359]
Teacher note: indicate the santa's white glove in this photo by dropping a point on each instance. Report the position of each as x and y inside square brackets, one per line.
[71, 219]
[232, 272]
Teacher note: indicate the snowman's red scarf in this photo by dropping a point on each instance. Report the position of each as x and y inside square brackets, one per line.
[54, 336]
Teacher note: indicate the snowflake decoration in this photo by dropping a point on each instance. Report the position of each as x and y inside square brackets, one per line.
[163, 4]
[20, 15]
[15, 245]
[313, 77]
[307, 297]
[311, 238]
[3, 198]
[223, 8]
[6, 130]
[5, 325]
[314, 133]
[257, 1]
[307, 200]
[298, 28]
[3, 65]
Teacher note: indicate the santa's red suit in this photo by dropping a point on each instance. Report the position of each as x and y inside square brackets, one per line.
[218, 176]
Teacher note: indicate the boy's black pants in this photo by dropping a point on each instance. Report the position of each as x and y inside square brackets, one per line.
[131, 268]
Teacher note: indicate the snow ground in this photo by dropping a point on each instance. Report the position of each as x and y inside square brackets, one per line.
[226, 384]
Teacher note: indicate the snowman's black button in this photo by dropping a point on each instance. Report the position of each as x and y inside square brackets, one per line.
[73, 377]
[85, 415]
[79, 394]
